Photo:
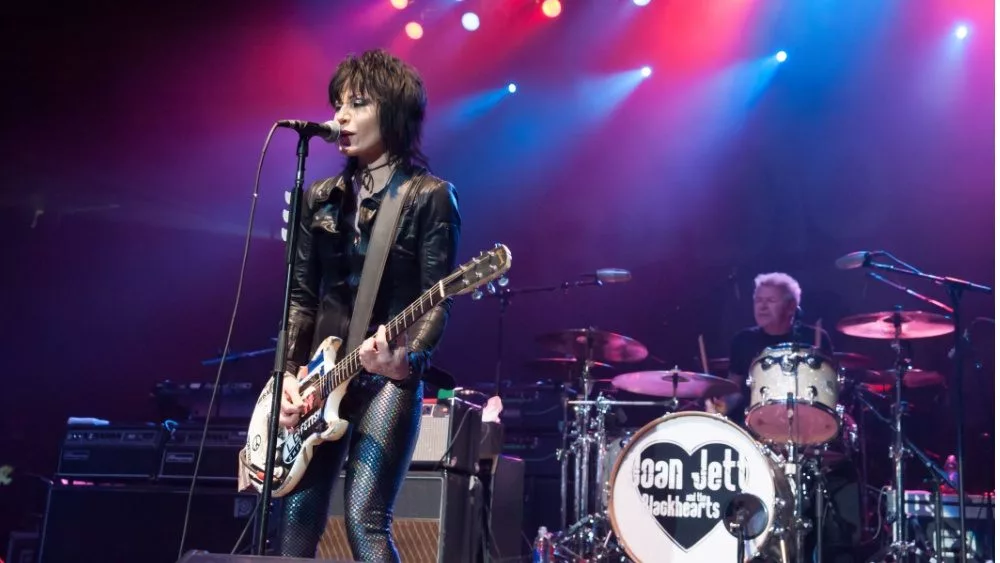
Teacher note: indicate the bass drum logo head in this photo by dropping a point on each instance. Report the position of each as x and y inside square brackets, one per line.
[674, 482]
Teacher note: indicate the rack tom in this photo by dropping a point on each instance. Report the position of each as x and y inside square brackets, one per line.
[794, 390]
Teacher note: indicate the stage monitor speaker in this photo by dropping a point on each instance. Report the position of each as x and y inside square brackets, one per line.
[436, 519]
[140, 524]
[204, 557]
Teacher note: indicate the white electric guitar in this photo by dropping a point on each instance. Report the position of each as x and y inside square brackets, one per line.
[326, 383]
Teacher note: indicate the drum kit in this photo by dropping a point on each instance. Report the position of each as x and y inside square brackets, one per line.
[694, 486]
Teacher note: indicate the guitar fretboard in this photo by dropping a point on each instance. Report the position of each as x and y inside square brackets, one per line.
[351, 364]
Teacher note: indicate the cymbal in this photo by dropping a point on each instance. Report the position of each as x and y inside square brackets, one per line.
[852, 360]
[913, 324]
[913, 378]
[563, 365]
[690, 385]
[606, 346]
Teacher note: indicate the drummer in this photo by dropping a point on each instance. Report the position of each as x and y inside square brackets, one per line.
[776, 301]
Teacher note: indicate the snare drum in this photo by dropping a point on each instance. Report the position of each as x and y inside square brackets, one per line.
[676, 476]
[793, 396]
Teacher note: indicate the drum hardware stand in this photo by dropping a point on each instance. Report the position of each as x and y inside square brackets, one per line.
[937, 475]
[956, 287]
[739, 517]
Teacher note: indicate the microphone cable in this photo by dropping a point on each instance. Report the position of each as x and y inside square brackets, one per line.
[225, 350]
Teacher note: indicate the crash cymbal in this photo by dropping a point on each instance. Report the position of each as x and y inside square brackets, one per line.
[852, 360]
[882, 325]
[594, 344]
[566, 366]
[689, 385]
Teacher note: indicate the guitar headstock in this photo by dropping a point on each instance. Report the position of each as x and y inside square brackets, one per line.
[488, 266]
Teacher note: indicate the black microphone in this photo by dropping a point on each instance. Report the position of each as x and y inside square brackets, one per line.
[861, 259]
[329, 131]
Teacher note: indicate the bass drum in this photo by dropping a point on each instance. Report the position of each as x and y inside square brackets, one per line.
[674, 480]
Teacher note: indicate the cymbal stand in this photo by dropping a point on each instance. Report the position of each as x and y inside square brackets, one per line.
[937, 474]
[956, 287]
[503, 293]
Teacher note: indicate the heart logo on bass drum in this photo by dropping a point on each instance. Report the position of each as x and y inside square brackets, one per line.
[687, 493]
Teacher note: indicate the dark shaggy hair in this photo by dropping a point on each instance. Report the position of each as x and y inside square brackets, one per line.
[399, 92]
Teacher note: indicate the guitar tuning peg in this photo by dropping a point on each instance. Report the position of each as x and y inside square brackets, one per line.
[284, 234]
[491, 288]
[477, 294]
[503, 281]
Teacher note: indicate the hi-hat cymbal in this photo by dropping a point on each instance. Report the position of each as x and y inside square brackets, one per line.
[882, 325]
[689, 385]
[853, 360]
[912, 378]
[595, 344]
[565, 366]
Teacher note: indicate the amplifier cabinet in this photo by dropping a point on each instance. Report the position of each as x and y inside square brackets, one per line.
[111, 452]
[450, 431]
[218, 458]
[133, 523]
[436, 519]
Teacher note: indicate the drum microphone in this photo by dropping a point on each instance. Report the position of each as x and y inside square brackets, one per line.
[861, 259]
[329, 131]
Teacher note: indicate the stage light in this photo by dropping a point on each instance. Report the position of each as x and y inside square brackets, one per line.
[512, 87]
[399, 4]
[551, 8]
[470, 21]
[781, 56]
[962, 31]
[640, 2]
[646, 71]
[414, 30]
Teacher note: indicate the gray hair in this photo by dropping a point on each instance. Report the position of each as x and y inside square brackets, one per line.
[782, 281]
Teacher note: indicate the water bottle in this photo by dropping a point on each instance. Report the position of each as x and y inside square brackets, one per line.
[951, 468]
[542, 551]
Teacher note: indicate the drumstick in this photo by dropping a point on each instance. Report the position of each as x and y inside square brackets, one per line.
[704, 358]
[819, 324]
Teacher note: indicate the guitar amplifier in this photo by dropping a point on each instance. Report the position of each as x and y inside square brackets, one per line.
[218, 458]
[111, 452]
[436, 519]
[142, 523]
[450, 431]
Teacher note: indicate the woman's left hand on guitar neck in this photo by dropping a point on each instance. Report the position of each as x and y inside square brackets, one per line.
[378, 357]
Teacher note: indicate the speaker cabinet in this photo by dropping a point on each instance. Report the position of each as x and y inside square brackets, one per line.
[203, 557]
[140, 524]
[437, 519]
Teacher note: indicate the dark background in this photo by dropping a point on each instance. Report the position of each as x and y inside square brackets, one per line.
[133, 133]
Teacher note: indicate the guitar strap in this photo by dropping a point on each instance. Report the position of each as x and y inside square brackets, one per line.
[381, 241]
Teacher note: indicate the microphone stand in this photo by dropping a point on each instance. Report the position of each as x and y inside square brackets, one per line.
[504, 294]
[277, 374]
[955, 287]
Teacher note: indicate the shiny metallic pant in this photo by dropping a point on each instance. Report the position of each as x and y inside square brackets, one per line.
[385, 420]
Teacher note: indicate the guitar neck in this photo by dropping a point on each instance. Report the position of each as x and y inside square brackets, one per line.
[351, 364]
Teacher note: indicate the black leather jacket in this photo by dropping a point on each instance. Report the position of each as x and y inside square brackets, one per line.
[330, 253]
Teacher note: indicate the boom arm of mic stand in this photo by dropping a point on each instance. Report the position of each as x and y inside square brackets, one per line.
[504, 294]
[912, 293]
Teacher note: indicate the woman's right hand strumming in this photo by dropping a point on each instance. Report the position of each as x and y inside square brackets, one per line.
[291, 401]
